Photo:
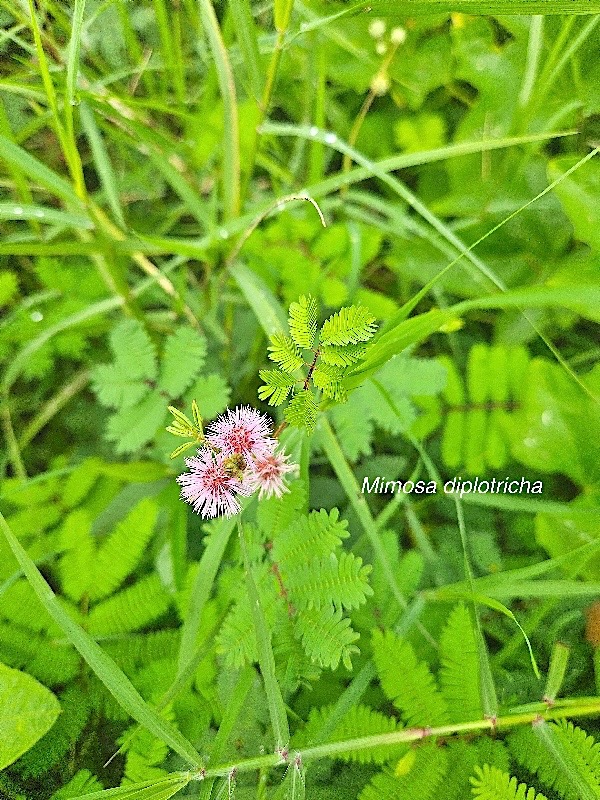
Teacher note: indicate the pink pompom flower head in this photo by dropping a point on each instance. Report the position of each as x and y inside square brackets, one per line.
[268, 472]
[237, 457]
[243, 430]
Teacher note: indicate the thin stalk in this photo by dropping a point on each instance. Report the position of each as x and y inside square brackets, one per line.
[53, 406]
[534, 49]
[587, 707]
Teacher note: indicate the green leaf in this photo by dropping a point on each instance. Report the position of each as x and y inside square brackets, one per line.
[490, 783]
[327, 636]
[146, 790]
[27, 711]
[349, 325]
[459, 675]
[285, 352]
[413, 689]
[303, 321]
[302, 411]
[131, 428]
[580, 197]
[105, 668]
[183, 358]
[277, 386]
[342, 356]
[327, 580]
[121, 384]
[328, 378]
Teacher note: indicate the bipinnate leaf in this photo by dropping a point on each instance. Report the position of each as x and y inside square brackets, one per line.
[303, 321]
[277, 386]
[27, 711]
[182, 360]
[411, 687]
[285, 352]
[327, 637]
[121, 384]
[342, 356]
[490, 783]
[302, 411]
[350, 325]
[121, 552]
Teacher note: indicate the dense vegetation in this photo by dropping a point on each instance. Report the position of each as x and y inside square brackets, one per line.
[381, 227]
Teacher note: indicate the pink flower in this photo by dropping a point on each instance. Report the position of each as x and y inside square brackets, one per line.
[243, 430]
[211, 485]
[267, 474]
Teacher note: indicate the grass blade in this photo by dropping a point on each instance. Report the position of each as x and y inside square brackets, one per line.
[231, 136]
[105, 668]
[248, 41]
[102, 163]
[492, 7]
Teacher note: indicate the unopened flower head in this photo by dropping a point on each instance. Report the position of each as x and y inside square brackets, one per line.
[268, 472]
[377, 28]
[398, 35]
[210, 486]
[381, 48]
[380, 84]
[243, 430]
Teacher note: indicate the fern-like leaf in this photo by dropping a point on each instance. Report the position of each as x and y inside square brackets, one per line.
[303, 322]
[302, 411]
[328, 378]
[423, 779]
[563, 756]
[82, 783]
[459, 675]
[276, 514]
[121, 384]
[350, 325]
[342, 356]
[123, 549]
[359, 721]
[315, 535]
[408, 683]
[132, 609]
[285, 352]
[323, 581]
[183, 358]
[490, 783]
[327, 637]
[277, 386]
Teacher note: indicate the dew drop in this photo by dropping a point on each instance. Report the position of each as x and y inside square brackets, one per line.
[331, 138]
[40, 213]
[36, 316]
[313, 131]
[17, 210]
[224, 233]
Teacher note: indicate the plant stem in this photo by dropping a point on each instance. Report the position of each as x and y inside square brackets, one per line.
[587, 707]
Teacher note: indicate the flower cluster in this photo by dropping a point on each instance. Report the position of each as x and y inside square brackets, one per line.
[238, 457]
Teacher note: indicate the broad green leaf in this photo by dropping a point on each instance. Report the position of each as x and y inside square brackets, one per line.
[27, 711]
[580, 197]
[557, 427]
[105, 668]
